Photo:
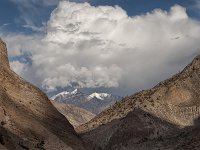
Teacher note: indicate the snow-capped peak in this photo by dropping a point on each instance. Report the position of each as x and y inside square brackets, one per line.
[65, 93]
[100, 96]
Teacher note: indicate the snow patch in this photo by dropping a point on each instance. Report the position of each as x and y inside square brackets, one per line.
[100, 96]
[64, 94]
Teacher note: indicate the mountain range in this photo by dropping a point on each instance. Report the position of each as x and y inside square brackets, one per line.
[94, 102]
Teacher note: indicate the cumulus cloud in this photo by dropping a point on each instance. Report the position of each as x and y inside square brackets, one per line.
[102, 46]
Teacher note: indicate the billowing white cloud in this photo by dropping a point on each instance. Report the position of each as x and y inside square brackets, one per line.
[104, 47]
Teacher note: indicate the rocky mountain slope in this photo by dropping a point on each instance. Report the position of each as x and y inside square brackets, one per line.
[95, 102]
[140, 130]
[168, 113]
[76, 116]
[28, 120]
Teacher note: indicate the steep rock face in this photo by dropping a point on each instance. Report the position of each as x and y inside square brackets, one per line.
[76, 116]
[175, 102]
[28, 120]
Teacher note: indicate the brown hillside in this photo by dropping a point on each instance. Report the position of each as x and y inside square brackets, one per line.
[165, 117]
[176, 100]
[28, 120]
[76, 115]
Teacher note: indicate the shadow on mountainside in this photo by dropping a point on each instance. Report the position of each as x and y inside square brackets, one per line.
[11, 141]
[143, 131]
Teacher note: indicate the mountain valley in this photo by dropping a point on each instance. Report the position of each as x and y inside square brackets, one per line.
[165, 117]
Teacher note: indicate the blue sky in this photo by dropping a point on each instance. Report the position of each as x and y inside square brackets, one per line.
[14, 15]
[13, 21]
[98, 46]
[137, 7]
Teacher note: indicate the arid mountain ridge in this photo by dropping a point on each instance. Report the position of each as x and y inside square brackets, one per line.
[176, 100]
[165, 117]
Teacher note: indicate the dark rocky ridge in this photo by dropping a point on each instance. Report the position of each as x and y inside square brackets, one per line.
[28, 120]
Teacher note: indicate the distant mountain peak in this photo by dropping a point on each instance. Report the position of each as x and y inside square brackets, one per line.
[94, 102]
[100, 96]
[65, 93]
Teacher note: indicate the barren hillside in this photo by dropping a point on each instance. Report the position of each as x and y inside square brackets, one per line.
[76, 116]
[28, 120]
[176, 100]
[164, 117]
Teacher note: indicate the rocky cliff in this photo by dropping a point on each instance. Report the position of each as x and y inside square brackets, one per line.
[28, 120]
